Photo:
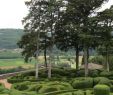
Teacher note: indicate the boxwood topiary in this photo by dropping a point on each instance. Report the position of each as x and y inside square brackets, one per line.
[82, 82]
[35, 88]
[55, 86]
[102, 80]
[21, 86]
[94, 73]
[101, 90]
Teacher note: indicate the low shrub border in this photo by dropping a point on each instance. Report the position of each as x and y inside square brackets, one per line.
[64, 91]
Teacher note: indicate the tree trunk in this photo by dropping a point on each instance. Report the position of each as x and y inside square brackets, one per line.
[87, 54]
[36, 75]
[45, 58]
[77, 58]
[85, 61]
[50, 61]
[82, 63]
[49, 70]
[107, 59]
[45, 53]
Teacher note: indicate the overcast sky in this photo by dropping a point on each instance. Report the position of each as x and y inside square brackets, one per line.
[13, 11]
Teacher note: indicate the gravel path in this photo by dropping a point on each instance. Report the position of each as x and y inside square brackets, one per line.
[5, 83]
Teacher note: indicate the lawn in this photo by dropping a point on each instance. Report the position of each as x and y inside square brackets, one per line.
[12, 63]
[15, 62]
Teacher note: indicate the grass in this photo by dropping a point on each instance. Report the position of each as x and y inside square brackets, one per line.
[12, 63]
[16, 62]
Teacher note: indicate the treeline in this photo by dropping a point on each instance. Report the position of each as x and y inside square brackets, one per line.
[9, 38]
[67, 24]
[10, 54]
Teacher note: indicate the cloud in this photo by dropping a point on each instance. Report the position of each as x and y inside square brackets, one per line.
[13, 11]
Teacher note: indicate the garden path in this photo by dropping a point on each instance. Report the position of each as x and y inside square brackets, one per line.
[5, 83]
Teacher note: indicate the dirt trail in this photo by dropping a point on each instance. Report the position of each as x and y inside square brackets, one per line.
[5, 83]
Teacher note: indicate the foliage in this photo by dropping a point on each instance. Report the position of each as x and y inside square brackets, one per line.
[102, 80]
[101, 60]
[80, 83]
[9, 38]
[106, 74]
[3, 90]
[101, 90]
[92, 73]
[97, 60]
[10, 54]
[17, 69]
[55, 86]
[36, 88]
[21, 86]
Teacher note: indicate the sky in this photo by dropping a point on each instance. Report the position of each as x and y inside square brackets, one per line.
[13, 11]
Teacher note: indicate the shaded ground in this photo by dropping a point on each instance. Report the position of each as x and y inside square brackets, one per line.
[93, 66]
[5, 83]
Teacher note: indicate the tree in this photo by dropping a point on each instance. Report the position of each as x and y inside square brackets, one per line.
[78, 18]
[37, 24]
[105, 21]
[33, 27]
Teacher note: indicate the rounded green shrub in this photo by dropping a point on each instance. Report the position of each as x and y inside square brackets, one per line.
[21, 86]
[101, 90]
[106, 74]
[102, 80]
[80, 73]
[82, 82]
[111, 88]
[94, 73]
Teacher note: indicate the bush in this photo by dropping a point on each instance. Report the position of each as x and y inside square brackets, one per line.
[106, 74]
[102, 80]
[101, 60]
[60, 72]
[55, 86]
[21, 86]
[111, 88]
[30, 73]
[101, 90]
[92, 73]
[17, 69]
[80, 83]
[1, 89]
[80, 73]
[46, 89]
[97, 60]
[64, 65]
[35, 88]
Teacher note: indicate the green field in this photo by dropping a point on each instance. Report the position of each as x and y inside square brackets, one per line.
[12, 63]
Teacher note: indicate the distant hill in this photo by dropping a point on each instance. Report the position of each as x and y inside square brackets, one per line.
[9, 38]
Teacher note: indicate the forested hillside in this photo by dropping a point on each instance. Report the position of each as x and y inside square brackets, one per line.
[9, 38]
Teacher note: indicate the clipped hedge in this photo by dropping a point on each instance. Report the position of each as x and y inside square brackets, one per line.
[82, 82]
[3, 90]
[101, 90]
[55, 86]
[21, 86]
[35, 87]
[92, 73]
[106, 74]
[102, 80]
